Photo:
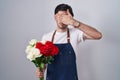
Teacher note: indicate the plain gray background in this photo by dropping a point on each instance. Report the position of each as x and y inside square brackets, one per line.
[23, 20]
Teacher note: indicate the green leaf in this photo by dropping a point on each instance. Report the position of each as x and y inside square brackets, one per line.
[41, 66]
[34, 61]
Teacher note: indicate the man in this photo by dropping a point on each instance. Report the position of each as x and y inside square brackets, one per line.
[67, 39]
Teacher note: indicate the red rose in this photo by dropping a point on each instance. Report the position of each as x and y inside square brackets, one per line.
[47, 49]
[49, 43]
[55, 50]
[39, 45]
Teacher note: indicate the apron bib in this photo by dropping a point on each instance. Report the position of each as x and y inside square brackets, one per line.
[64, 65]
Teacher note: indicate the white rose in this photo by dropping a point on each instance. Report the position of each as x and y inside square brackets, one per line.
[33, 53]
[28, 49]
[33, 42]
[31, 57]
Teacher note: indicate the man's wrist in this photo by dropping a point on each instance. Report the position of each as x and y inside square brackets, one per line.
[76, 23]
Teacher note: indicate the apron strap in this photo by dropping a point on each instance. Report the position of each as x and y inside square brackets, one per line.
[68, 35]
[53, 36]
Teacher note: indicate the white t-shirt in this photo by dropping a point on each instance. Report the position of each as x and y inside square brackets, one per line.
[76, 36]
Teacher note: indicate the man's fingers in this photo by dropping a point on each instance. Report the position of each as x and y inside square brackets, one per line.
[39, 73]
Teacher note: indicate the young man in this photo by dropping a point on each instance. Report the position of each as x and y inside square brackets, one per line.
[67, 39]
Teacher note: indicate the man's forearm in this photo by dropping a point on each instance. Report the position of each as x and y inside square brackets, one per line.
[88, 30]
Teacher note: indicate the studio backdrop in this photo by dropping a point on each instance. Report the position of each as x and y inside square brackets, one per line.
[23, 20]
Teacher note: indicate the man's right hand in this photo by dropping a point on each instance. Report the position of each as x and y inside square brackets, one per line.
[39, 73]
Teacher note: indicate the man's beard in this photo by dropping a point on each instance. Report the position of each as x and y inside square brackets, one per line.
[62, 26]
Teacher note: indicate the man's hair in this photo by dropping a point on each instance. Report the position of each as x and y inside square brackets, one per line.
[63, 7]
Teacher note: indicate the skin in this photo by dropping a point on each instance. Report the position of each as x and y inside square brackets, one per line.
[40, 74]
[63, 19]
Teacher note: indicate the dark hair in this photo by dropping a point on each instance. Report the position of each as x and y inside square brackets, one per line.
[63, 7]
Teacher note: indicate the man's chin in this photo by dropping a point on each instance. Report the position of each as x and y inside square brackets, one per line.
[62, 26]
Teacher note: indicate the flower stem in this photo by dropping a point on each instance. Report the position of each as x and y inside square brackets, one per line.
[42, 78]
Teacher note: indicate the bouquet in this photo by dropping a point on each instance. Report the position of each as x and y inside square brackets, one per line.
[41, 53]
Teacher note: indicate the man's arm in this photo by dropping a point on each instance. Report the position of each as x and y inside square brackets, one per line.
[89, 32]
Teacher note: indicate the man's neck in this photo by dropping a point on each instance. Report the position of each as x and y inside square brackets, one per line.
[61, 30]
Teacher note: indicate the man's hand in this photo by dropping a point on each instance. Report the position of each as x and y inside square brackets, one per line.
[67, 19]
[39, 73]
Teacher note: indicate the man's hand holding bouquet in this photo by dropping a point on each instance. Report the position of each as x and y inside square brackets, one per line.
[41, 53]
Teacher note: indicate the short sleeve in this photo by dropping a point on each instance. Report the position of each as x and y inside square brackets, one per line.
[79, 36]
[43, 38]
[47, 36]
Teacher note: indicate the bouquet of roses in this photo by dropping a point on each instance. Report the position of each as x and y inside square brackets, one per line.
[41, 53]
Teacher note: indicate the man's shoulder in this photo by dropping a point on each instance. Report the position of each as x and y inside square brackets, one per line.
[47, 36]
